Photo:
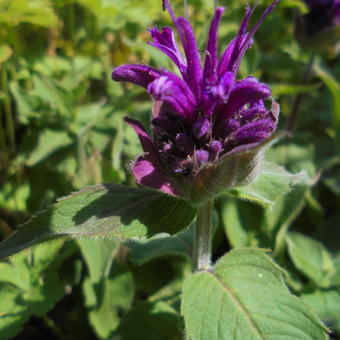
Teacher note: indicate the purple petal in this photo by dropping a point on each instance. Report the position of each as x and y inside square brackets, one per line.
[215, 148]
[194, 69]
[230, 55]
[230, 125]
[245, 91]
[214, 94]
[224, 86]
[247, 42]
[148, 174]
[250, 114]
[193, 74]
[254, 131]
[141, 75]
[164, 40]
[211, 51]
[173, 93]
[201, 156]
[149, 148]
[201, 127]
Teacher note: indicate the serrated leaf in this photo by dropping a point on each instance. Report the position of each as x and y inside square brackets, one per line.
[271, 183]
[311, 258]
[106, 210]
[244, 297]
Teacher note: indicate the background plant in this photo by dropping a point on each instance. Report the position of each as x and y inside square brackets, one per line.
[61, 129]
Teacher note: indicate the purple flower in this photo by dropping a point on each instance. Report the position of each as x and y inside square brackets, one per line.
[204, 116]
[322, 14]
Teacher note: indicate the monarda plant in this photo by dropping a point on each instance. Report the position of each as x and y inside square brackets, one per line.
[209, 130]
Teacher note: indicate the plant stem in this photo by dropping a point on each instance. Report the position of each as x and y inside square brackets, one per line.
[293, 118]
[203, 236]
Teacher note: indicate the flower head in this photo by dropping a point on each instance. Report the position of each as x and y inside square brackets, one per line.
[322, 14]
[319, 29]
[204, 120]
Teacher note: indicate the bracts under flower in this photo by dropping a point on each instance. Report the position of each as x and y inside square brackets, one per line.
[207, 126]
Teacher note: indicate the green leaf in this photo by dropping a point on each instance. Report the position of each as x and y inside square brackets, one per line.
[5, 52]
[30, 285]
[334, 88]
[59, 99]
[272, 182]
[242, 222]
[150, 321]
[13, 311]
[108, 300]
[280, 89]
[98, 255]
[159, 245]
[106, 210]
[49, 141]
[294, 156]
[36, 12]
[244, 297]
[107, 293]
[326, 304]
[162, 244]
[311, 258]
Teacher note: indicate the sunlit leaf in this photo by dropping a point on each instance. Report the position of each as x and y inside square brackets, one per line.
[246, 291]
[272, 182]
[106, 210]
[311, 258]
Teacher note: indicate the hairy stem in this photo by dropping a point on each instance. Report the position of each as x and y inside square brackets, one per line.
[203, 236]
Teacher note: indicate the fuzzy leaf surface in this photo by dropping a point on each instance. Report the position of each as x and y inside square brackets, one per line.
[106, 210]
[245, 297]
[271, 183]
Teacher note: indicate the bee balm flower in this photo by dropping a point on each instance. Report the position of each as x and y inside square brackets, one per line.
[319, 29]
[322, 14]
[207, 126]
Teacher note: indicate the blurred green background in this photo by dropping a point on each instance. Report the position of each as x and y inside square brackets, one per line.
[61, 129]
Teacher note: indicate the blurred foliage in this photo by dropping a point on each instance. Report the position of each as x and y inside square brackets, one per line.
[61, 128]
